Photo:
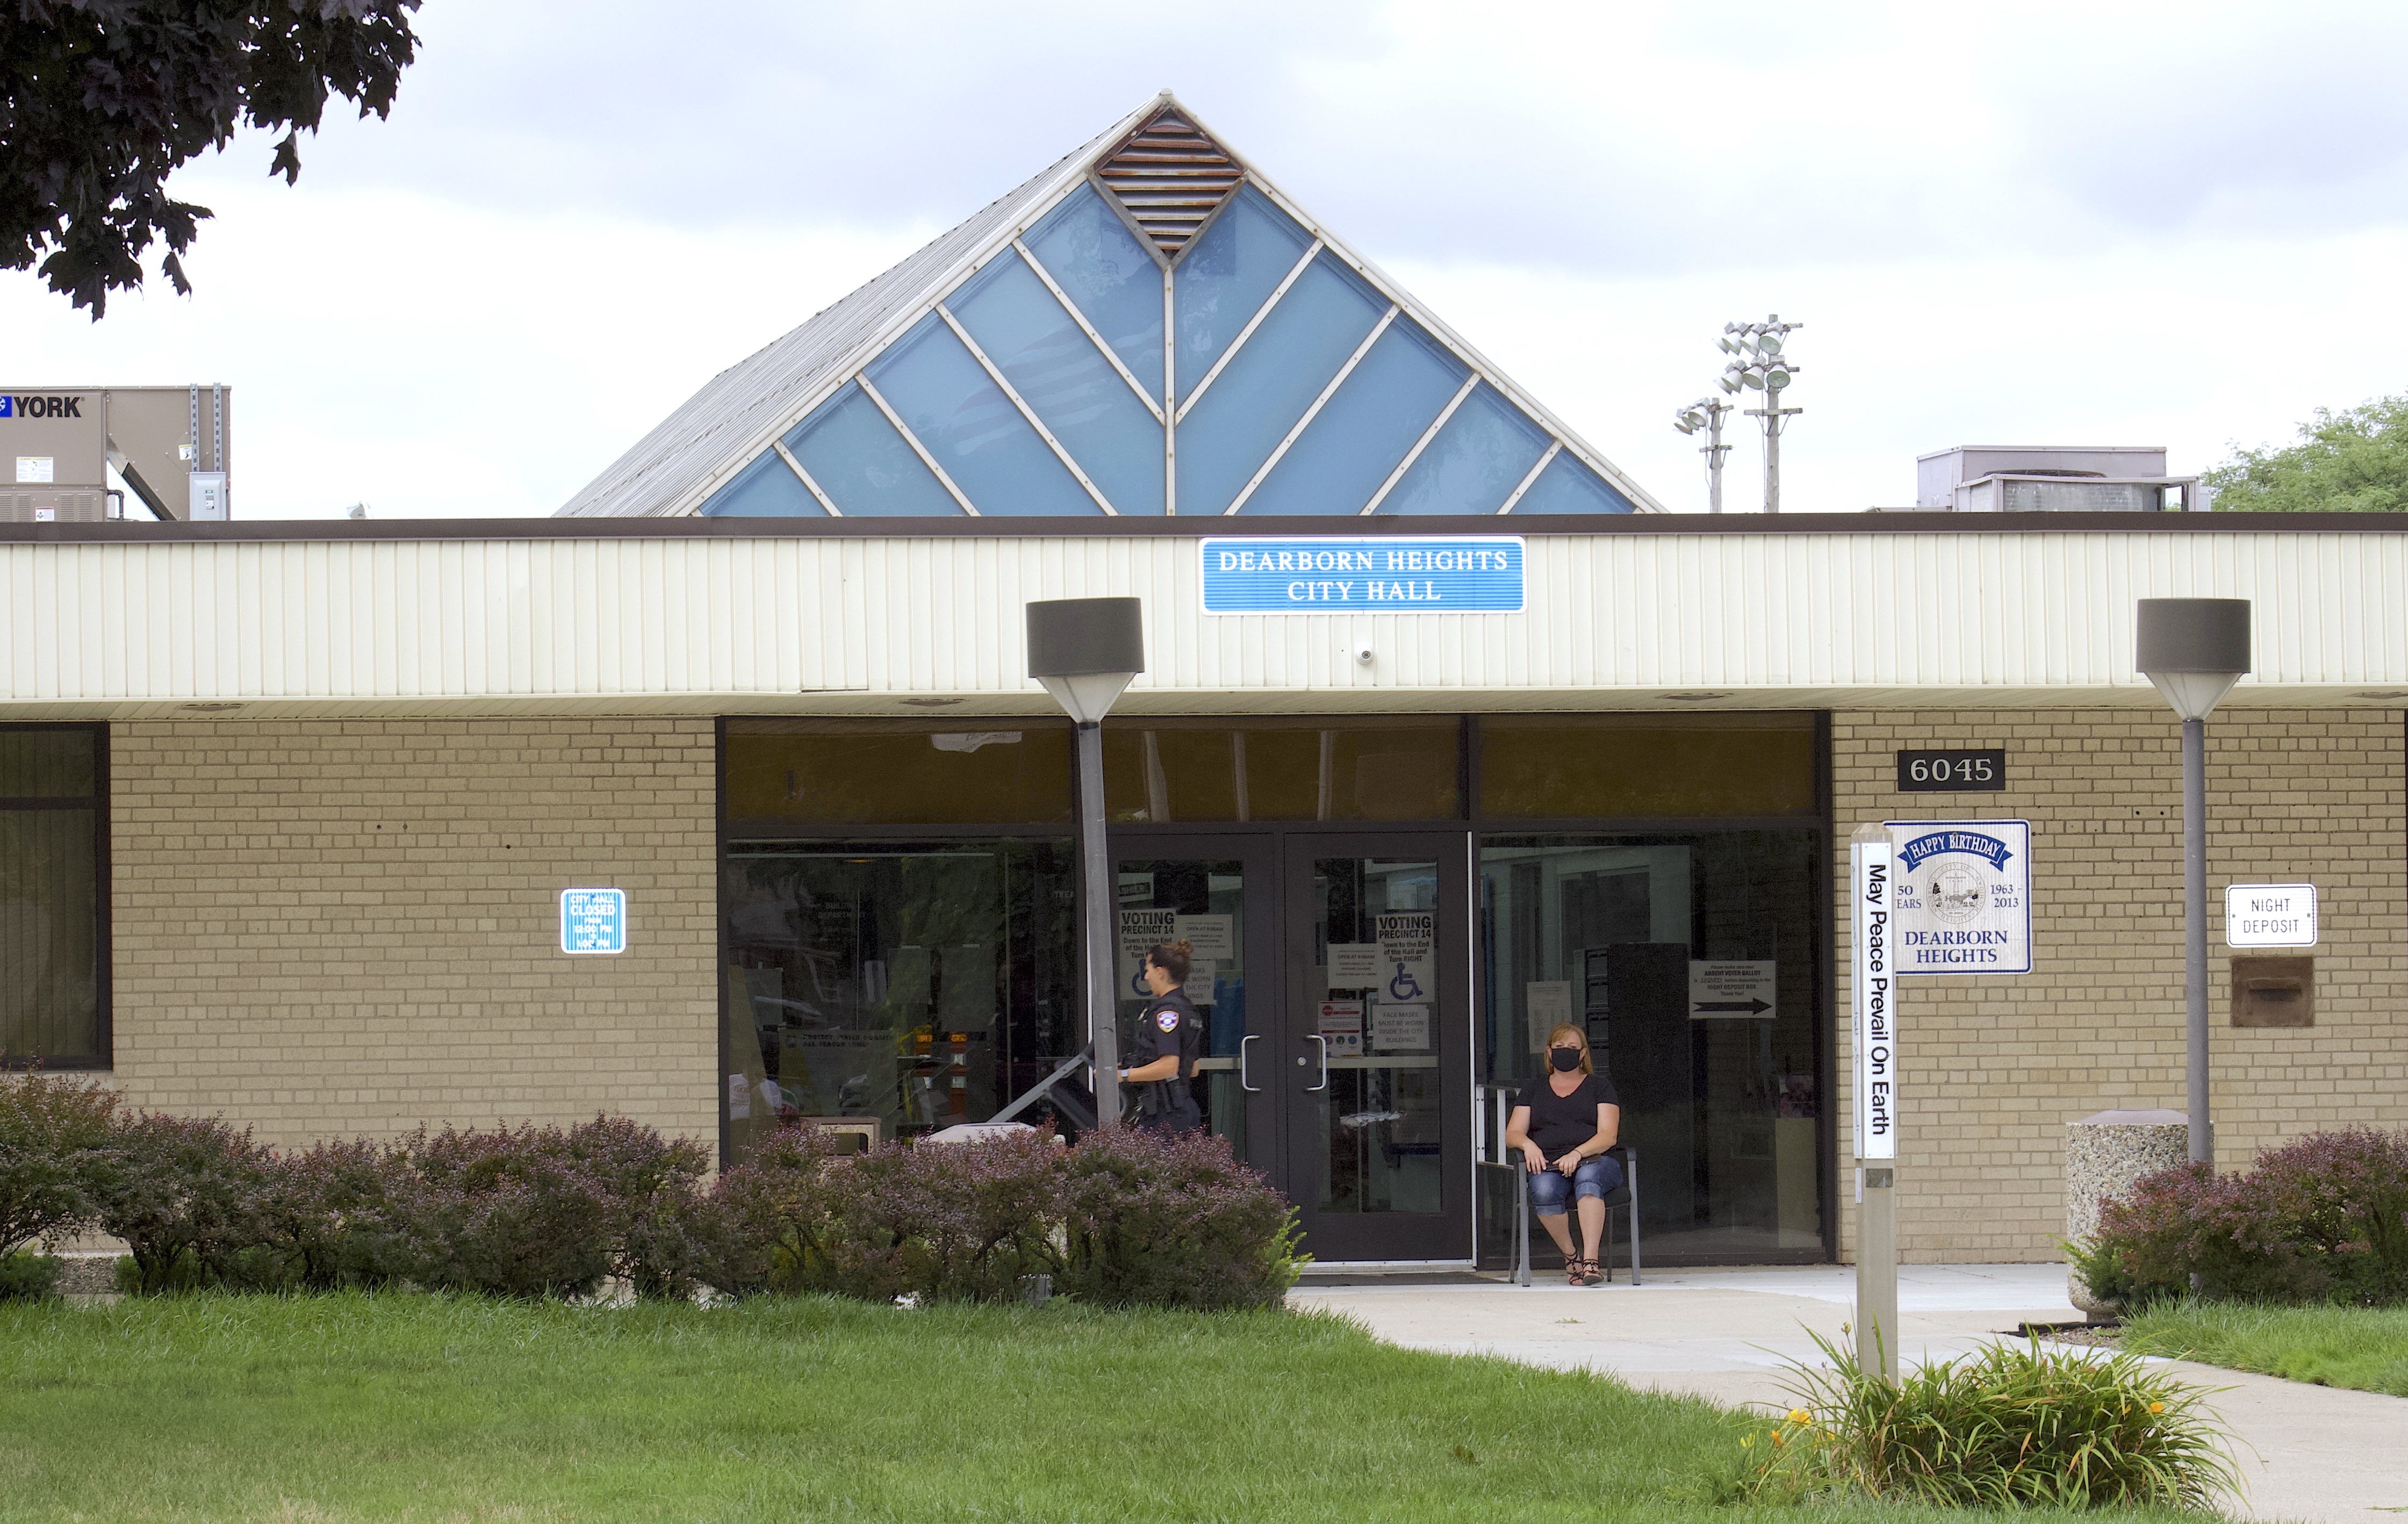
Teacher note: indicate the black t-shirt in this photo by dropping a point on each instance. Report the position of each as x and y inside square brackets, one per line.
[1169, 1025]
[1559, 1124]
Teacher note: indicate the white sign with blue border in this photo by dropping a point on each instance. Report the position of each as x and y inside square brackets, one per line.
[1962, 897]
[592, 920]
[1377, 574]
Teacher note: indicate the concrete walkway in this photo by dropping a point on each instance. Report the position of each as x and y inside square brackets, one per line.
[2308, 1452]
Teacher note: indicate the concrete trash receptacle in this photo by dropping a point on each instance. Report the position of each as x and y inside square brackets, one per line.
[2106, 1154]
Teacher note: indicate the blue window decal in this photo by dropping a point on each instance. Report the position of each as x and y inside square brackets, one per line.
[1228, 273]
[1269, 383]
[1386, 403]
[1066, 380]
[1115, 283]
[858, 459]
[951, 407]
[767, 489]
[1477, 459]
[1567, 486]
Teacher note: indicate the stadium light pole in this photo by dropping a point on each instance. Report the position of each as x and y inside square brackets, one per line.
[1086, 651]
[1758, 362]
[1707, 413]
[2193, 651]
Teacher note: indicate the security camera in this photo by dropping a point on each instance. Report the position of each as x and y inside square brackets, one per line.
[1363, 654]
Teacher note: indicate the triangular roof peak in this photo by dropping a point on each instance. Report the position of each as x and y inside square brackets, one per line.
[996, 370]
[1168, 177]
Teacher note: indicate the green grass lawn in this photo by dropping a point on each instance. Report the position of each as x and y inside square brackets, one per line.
[2365, 1348]
[414, 1407]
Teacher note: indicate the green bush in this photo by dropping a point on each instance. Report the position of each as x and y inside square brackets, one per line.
[28, 1277]
[2012, 1426]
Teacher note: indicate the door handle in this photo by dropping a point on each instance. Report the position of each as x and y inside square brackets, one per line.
[1314, 1089]
[1242, 1083]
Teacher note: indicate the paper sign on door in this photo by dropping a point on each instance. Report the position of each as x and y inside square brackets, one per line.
[1341, 1026]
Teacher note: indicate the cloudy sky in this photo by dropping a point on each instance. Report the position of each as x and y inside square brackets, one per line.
[2064, 225]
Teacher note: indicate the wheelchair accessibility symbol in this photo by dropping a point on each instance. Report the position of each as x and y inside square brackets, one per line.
[1404, 987]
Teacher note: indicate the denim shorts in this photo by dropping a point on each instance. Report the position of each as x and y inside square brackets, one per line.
[1550, 1191]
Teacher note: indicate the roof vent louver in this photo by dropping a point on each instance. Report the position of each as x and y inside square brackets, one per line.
[1170, 177]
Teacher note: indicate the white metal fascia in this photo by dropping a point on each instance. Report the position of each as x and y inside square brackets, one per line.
[1070, 177]
[995, 374]
[1296, 272]
[917, 448]
[1546, 457]
[1110, 355]
[805, 477]
[1469, 383]
[1564, 434]
[1280, 450]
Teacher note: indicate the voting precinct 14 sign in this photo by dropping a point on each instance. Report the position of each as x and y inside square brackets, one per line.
[1961, 897]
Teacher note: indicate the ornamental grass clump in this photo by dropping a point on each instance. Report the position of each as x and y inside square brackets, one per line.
[2014, 1426]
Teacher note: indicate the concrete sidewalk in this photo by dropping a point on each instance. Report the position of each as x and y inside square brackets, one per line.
[2308, 1452]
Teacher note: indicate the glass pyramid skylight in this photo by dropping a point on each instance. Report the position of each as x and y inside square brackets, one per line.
[1151, 328]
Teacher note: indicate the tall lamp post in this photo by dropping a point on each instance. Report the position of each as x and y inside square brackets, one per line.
[1707, 413]
[2194, 650]
[1085, 651]
[1758, 362]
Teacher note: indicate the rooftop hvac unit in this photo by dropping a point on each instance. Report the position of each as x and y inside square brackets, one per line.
[58, 444]
[2081, 479]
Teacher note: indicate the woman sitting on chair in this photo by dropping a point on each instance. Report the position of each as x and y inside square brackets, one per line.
[1563, 1130]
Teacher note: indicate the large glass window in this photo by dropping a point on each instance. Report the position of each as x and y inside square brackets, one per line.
[962, 420]
[53, 1004]
[895, 772]
[1662, 766]
[1364, 431]
[1100, 265]
[915, 983]
[1693, 962]
[1395, 768]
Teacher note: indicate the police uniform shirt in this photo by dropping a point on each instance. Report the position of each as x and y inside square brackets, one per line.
[1169, 1025]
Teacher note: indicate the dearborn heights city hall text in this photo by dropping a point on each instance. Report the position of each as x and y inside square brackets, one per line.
[1447, 734]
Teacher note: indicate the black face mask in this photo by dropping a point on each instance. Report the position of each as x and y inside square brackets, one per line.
[1565, 1059]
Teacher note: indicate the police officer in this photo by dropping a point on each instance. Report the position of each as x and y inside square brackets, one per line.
[1169, 1038]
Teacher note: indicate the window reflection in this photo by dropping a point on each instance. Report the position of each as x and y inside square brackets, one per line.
[1157, 771]
[918, 984]
[896, 772]
[1643, 766]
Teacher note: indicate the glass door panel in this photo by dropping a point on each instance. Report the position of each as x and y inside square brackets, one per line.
[1215, 895]
[1377, 1125]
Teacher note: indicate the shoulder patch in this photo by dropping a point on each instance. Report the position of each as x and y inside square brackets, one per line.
[1167, 1020]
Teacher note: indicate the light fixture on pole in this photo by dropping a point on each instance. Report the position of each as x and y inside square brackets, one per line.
[2193, 651]
[1086, 651]
[1757, 361]
[1707, 413]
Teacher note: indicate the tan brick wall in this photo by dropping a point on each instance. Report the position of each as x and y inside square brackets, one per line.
[352, 926]
[1992, 1068]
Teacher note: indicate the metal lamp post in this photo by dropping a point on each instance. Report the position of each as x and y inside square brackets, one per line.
[1085, 651]
[2194, 650]
[1758, 362]
[1707, 413]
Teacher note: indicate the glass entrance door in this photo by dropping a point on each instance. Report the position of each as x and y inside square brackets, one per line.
[1374, 1046]
[1214, 894]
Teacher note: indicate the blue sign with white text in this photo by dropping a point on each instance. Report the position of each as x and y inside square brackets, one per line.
[592, 920]
[1378, 574]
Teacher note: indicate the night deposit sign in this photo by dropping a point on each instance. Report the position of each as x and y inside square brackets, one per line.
[2270, 915]
[1378, 574]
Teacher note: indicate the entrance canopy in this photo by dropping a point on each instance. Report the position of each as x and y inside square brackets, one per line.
[1149, 327]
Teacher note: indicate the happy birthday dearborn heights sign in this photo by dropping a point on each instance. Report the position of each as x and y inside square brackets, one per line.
[1963, 895]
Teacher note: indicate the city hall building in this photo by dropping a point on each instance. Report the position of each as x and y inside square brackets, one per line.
[1447, 733]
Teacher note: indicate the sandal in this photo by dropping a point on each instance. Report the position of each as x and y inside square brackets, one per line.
[1577, 1272]
[1591, 1274]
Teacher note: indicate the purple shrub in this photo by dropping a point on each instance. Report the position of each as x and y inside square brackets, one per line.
[1174, 1220]
[664, 1230]
[2323, 1219]
[508, 1213]
[55, 1157]
[774, 1212]
[338, 1215]
[184, 1193]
